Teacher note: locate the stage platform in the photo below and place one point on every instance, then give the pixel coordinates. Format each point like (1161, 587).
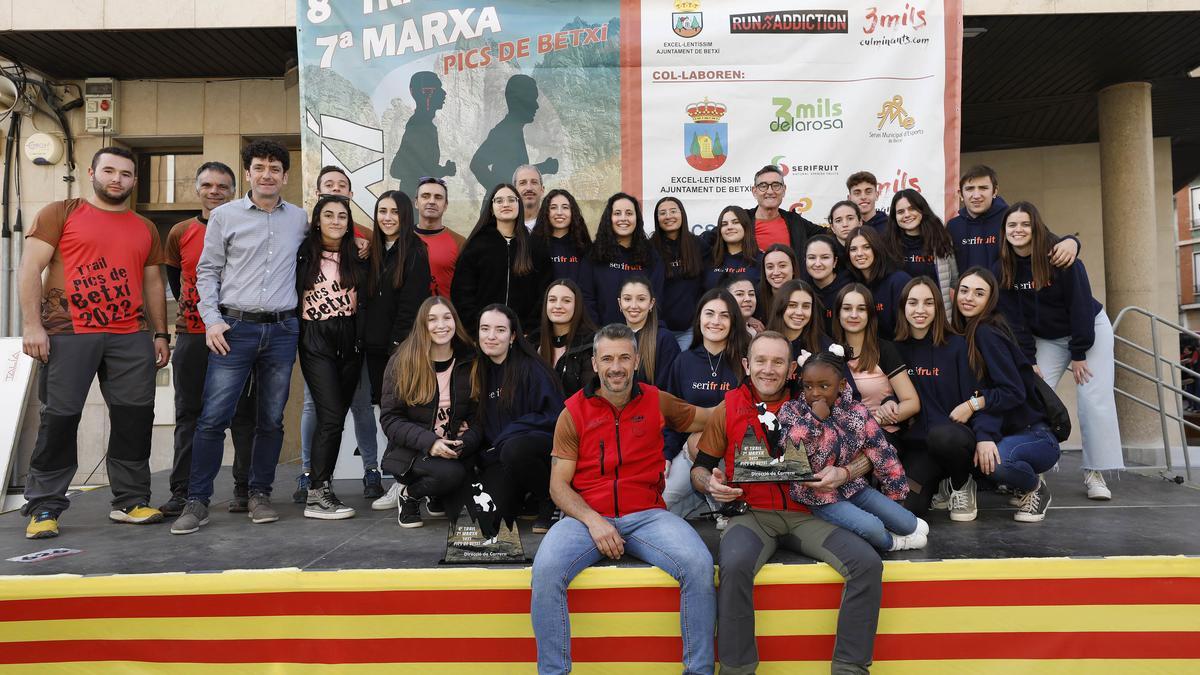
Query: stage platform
(1098, 587)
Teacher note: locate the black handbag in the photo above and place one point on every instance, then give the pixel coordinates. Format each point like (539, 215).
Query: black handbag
(1046, 399)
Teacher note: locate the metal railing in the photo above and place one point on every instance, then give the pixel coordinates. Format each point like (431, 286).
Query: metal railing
(1165, 387)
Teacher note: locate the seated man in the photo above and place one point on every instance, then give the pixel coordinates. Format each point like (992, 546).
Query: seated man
(607, 477)
(773, 519)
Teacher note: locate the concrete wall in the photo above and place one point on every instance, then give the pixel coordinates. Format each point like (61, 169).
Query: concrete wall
(1064, 182)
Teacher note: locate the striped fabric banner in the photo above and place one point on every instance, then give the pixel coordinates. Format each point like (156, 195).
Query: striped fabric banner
(1117, 615)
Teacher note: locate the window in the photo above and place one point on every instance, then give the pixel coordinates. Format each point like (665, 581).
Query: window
(1195, 209)
(1196, 273)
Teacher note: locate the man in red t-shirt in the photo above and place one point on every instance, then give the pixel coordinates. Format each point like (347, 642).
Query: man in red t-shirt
(91, 316)
(189, 361)
(774, 224)
(770, 518)
(443, 244)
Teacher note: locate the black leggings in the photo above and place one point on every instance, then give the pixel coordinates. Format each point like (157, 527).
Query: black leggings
(527, 461)
(434, 477)
(946, 451)
(331, 367)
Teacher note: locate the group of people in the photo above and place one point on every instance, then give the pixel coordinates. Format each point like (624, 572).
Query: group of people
(611, 379)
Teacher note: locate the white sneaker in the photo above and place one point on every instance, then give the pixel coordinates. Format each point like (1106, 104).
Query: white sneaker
(941, 500)
(1096, 487)
(389, 500)
(908, 542)
(922, 527)
(963, 507)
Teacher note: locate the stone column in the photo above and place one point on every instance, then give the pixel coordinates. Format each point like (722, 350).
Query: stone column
(1130, 246)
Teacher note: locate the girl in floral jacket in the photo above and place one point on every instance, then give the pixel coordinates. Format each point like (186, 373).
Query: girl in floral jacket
(834, 428)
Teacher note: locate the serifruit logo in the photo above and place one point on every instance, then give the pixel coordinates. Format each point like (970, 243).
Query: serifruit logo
(893, 112)
(819, 115)
(687, 20)
(705, 138)
(911, 17)
(777, 160)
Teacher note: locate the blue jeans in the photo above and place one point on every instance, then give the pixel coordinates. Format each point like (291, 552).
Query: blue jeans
(1025, 455)
(870, 515)
(269, 350)
(655, 536)
(361, 411)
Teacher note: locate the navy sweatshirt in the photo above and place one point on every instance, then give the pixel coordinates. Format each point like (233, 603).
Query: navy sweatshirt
(1005, 390)
(567, 260)
(602, 284)
(943, 379)
(828, 296)
(879, 221)
(691, 379)
(677, 305)
(666, 350)
(916, 262)
(1065, 308)
(977, 240)
(534, 410)
(717, 273)
(886, 292)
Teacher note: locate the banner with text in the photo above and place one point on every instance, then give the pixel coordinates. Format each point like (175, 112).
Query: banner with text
(685, 98)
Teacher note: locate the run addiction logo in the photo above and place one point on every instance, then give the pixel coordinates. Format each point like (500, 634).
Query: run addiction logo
(791, 22)
(687, 20)
(706, 137)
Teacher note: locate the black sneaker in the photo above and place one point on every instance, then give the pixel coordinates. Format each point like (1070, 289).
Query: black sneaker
(372, 484)
(410, 511)
(303, 483)
(435, 507)
(173, 506)
(545, 517)
(241, 499)
(1034, 504)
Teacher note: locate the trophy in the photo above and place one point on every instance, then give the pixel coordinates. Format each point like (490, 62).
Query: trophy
(479, 535)
(757, 461)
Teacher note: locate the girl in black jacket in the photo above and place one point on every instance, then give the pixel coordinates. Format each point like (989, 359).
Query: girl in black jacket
(500, 262)
(399, 282)
(560, 226)
(564, 340)
(683, 263)
(428, 413)
(328, 279)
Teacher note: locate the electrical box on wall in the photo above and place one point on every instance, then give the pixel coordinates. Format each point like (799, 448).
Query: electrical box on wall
(100, 105)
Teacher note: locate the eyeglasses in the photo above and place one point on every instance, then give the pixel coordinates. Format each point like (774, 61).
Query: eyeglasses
(504, 200)
(430, 179)
(763, 187)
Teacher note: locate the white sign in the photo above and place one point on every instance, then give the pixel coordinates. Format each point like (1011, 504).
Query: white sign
(16, 376)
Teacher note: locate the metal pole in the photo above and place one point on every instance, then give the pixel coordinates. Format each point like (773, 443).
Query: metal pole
(1162, 419)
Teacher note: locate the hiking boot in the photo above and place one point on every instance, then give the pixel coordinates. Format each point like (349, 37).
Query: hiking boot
(303, 483)
(241, 500)
(388, 501)
(372, 484)
(194, 516)
(435, 507)
(42, 525)
(1034, 504)
(173, 506)
(1097, 488)
(545, 517)
(410, 510)
(941, 499)
(260, 509)
(323, 504)
(963, 507)
(138, 514)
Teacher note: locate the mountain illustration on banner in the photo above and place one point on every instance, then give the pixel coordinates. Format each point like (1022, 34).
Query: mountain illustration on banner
(478, 534)
(706, 137)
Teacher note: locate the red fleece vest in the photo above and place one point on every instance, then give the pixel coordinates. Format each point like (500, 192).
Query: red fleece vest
(740, 413)
(620, 465)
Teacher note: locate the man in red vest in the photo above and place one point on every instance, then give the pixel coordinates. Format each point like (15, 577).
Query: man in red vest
(607, 476)
(771, 518)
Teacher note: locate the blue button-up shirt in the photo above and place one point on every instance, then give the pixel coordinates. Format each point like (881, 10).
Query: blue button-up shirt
(249, 258)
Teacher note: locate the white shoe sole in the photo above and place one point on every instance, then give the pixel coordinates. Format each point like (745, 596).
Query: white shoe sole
(384, 504)
(964, 517)
(1100, 496)
(260, 521)
(409, 526)
(122, 517)
(324, 515)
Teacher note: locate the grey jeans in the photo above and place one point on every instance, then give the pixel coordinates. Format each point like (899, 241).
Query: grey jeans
(125, 366)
